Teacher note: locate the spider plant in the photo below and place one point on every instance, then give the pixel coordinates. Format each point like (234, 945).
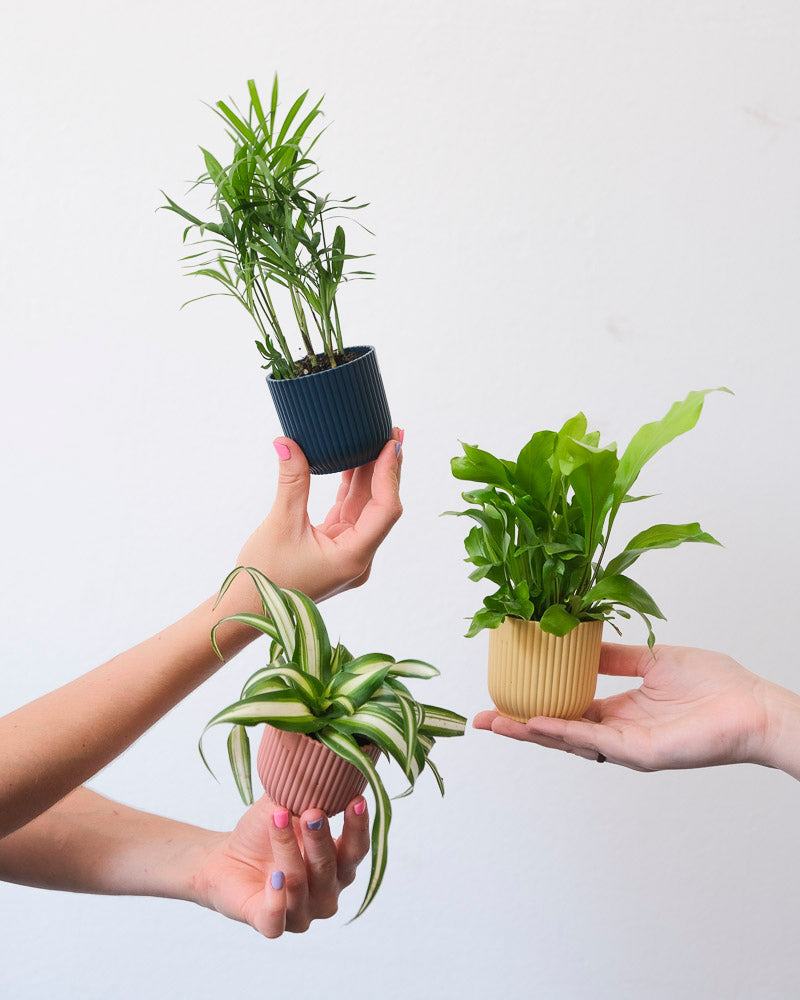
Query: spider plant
(312, 687)
(544, 523)
(270, 232)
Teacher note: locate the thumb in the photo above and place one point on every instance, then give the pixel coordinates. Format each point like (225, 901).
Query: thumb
(294, 481)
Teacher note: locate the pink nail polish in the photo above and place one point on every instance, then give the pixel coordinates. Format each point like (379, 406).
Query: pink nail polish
(402, 435)
(359, 808)
(283, 452)
(281, 819)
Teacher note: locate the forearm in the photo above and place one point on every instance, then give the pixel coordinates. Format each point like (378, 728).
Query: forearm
(781, 741)
(57, 742)
(87, 843)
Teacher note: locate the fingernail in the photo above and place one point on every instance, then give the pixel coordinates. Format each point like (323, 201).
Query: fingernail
(281, 820)
(315, 824)
(402, 435)
(277, 880)
(398, 448)
(359, 808)
(283, 452)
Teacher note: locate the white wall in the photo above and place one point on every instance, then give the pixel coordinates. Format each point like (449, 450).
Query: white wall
(577, 205)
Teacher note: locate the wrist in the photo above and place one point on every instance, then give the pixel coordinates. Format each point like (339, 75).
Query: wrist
(779, 744)
(195, 881)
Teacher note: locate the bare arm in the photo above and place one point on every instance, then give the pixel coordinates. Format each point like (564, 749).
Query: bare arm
(266, 872)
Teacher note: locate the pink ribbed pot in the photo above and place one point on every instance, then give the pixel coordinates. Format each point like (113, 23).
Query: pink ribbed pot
(300, 773)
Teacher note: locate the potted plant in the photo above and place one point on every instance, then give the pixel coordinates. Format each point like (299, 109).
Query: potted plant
(543, 526)
(328, 717)
(274, 244)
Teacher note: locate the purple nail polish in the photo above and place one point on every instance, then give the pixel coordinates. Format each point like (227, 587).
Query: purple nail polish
(315, 824)
(398, 448)
(277, 880)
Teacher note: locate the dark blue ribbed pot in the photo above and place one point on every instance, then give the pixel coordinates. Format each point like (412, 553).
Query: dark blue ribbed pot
(339, 417)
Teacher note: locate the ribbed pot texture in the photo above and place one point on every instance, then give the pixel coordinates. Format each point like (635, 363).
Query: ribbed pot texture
(300, 773)
(532, 672)
(339, 417)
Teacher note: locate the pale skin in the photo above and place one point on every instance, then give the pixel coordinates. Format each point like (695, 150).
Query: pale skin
(87, 843)
(51, 746)
(693, 708)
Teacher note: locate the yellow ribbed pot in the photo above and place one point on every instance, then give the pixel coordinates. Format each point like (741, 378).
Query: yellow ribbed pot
(532, 672)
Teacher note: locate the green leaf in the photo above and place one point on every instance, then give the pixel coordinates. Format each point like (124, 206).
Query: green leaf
(263, 625)
(484, 618)
(347, 748)
(659, 536)
(357, 686)
(480, 467)
(622, 590)
(306, 685)
(441, 722)
(239, 756)
(276, 605)
(648, 440)
(312, 646)
(592, 480)
(557, 620)
(413, 668)
(383, 726)
(534, 465)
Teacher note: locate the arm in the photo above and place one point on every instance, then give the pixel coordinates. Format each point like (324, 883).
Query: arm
(57, 742)
(694, 708)
(257, 873)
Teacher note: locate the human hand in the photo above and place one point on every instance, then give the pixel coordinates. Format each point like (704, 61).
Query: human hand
(694, 708)
(325, 559)
(260, 874)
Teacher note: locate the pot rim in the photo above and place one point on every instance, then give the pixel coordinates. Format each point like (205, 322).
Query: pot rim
(365, 350)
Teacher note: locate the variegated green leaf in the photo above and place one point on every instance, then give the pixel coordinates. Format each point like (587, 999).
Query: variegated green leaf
(309, 688)
(262, 682)
(275, 605)
(436, 775)
(227, 582)
(340, 657)
(364, 664)
(254, 621)
(347, 748)
(313, 647)
(239, 756)
(284, 709)
(384, 727)
(413, 668)
(441, 722)
(357, 687)
(411, 727)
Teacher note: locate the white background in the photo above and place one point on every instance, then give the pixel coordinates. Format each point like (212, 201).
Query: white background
(577, 205)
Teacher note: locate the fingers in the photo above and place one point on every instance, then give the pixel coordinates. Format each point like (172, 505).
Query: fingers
(321, 864)
(578, 736)
(484, 720)
(625, 661)
(289, 860)
(294, 480)
(353, 845)
(271, 917)
(383, 509)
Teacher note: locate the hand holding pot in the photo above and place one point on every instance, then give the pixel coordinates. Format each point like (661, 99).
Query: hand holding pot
(277, 875)
(694, 708)
(325, 559)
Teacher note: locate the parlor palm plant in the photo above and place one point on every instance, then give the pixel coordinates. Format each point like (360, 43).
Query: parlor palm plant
(269, 229)
(275, 242)
(346, 704)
